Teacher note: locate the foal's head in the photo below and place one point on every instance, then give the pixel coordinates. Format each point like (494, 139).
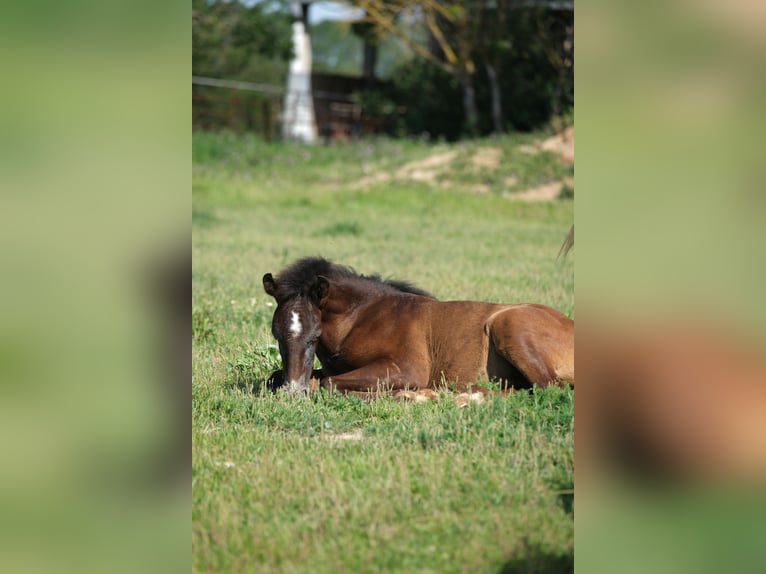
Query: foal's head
(296, 326)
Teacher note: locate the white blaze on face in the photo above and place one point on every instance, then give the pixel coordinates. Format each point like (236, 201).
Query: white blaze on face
(295, 325)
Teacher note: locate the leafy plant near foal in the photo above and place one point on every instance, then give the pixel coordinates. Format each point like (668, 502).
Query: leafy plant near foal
(334, 484)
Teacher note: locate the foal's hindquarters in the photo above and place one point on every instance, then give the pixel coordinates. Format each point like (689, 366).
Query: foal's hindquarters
(532, 340)
(520, 345)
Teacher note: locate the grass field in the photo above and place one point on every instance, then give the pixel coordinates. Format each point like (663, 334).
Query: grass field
(334, 484)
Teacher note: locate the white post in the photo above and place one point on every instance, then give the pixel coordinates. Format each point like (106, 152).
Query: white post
(298, 121)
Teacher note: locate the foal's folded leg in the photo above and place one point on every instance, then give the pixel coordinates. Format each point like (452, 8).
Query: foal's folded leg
(384, 375)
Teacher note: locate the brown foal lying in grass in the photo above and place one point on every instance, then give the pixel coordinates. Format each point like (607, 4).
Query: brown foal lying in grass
(370, 334)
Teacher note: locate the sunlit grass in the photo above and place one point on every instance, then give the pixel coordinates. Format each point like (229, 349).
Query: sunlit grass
(334, 484)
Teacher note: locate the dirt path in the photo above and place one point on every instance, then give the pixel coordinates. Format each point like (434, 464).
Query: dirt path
(437, 168)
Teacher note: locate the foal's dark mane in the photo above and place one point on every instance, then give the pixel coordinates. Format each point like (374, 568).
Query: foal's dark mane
(298, 278)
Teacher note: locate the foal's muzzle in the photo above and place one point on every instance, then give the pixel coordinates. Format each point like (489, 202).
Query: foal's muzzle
(296, 387)
(297, 369)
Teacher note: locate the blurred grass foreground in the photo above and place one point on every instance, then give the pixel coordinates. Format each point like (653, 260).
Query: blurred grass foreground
(95, 178)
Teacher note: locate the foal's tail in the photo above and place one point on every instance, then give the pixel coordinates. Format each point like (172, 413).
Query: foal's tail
(568, 243)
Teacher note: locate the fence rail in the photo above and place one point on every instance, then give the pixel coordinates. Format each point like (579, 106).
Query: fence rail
(217, 107)
(238, 85)
(254, 107)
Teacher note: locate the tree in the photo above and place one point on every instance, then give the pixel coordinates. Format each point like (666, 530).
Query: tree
(463, 35)
(491, 44)
(452, 27)
(555, 32)
(335, 48)
(233, 41)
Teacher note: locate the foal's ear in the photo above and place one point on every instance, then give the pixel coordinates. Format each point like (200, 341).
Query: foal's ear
(320, 289)
(269, 284)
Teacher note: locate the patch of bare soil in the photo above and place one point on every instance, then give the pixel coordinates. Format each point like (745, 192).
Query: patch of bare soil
(561, 144)
(429, 169)
(426, 169)
(486, 158)
(373, 179)
(545, 192)
(480, 188)
(354, 435)
(462, 400)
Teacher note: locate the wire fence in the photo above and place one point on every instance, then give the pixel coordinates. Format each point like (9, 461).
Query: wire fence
(259, 108)
(236, 106)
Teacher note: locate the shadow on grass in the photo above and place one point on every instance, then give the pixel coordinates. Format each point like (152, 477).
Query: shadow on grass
(203, 217)
(566, 500)
(249, 385)
(245, 370)
(537, 561)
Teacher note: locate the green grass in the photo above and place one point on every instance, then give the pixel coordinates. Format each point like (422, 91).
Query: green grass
(416, 487)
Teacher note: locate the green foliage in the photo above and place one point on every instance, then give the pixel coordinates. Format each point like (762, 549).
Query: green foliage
(431, 98)
(235, 41)
(375, 102)
(202, 325)
(250, 366)
(531, 87)
(567, 192)
(335, 48)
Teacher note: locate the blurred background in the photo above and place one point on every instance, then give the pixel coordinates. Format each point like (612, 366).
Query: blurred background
(370, 67)
(671, 434)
